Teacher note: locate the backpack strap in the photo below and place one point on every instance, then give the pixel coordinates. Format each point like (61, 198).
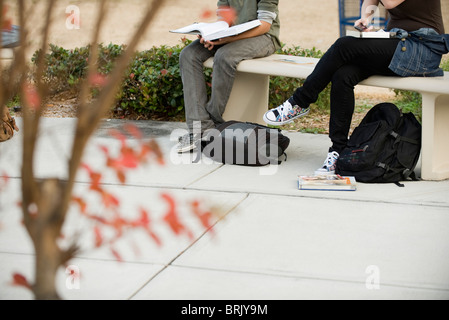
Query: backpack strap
(398, 138)
(407, 173)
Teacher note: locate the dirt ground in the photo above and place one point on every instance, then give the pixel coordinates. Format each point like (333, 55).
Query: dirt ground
(302, 24)
(305, 23)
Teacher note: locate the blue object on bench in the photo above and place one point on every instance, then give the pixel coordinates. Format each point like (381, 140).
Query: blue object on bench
(349, 12)
(11, 38)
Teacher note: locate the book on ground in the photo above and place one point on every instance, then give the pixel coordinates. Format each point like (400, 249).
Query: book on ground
(371, 34)
(216, 30)
(327, 182)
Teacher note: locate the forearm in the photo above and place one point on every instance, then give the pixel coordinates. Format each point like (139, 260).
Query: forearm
(255, 32)
(367, 8)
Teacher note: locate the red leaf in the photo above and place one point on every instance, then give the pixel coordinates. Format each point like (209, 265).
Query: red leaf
(81, 203)
(105, 150)
(95, 179)
(110, 200)
(164, 72)
(7, 24)
(86, 167)
(121, 176)
(98, 237)
(204, 216)
(144, 219)
(128, 159)
(118, 135)
(32, 97)
(98, 80)
(227, 14)
(98, 219)
(144, 222)
(133, 130)
(153, 146)
(206, 14)
(5, 179)
(116, 255)
(20, 280)
(171, 217)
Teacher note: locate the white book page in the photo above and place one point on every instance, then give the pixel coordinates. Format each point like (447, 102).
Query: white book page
(234, 30)
(202, 28)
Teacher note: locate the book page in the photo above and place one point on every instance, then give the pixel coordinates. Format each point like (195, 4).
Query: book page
(202, 28)
(370, 34)
(234, 30)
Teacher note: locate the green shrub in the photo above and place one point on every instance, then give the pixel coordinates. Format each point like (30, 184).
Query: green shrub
(65, 68)
(153, 85)
(409, 101)
(445, 63)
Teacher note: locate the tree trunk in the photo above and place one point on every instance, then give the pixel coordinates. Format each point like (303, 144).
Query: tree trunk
(43, 219)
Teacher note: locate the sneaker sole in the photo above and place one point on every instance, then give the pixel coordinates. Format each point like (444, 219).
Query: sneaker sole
(274, 123)
(324, 173)
(189, 148)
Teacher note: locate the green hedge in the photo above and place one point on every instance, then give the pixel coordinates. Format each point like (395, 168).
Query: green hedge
(152, 85)
(65, 68)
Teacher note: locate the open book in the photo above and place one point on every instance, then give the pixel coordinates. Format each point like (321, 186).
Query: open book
(216, 30)
(371, 34)
(327, 182)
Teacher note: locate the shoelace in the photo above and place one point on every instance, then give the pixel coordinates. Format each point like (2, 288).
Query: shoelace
(330, 160)
(284, 109)
(185, 139)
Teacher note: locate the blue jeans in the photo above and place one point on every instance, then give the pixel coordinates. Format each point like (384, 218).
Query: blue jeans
(226, 58)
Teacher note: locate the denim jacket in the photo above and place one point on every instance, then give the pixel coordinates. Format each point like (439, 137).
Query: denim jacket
(419, 53)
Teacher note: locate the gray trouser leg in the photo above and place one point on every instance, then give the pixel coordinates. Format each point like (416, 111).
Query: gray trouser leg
(226, 59)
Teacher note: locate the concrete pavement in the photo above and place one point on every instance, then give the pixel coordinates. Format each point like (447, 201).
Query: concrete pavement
(274, 242)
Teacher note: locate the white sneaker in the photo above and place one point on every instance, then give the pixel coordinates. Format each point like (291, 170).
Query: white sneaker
(329, 164)
(283, 114)
(188, 142)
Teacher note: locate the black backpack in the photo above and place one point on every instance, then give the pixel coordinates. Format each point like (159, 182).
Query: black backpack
(245, 143)
(385, 147)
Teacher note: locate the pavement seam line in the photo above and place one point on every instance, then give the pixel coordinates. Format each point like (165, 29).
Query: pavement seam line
(186, 188)
(170, 263)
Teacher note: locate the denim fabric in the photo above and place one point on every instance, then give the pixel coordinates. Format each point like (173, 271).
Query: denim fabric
(419, 53)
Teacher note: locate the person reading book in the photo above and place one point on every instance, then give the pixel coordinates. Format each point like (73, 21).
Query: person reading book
(416, 50)
(217, 30)
(203, 113)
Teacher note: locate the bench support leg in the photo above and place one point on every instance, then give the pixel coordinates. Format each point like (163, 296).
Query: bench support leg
(249, 98)
(435, 137)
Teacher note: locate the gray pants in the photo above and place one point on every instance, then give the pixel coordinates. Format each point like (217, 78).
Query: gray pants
(226, 58)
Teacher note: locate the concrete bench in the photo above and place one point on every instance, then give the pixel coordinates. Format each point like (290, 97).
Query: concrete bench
(6, 54)
(249, 101)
